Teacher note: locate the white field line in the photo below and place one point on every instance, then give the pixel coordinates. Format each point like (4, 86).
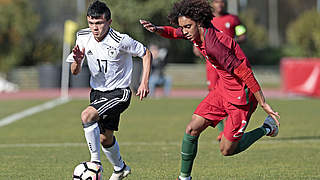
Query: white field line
(48, 145)
(17, 116)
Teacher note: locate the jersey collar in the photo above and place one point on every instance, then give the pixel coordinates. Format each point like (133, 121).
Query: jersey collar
(205, 31)
(104, 40)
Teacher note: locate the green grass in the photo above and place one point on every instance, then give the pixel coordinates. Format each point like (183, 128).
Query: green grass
(149, 137)
(12, 106)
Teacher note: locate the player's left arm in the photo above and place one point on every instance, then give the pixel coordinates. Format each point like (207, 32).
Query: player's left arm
(244, 72)
(226, 57)
(266, 107)
(143, 89)
(78, 56)
(135, 48)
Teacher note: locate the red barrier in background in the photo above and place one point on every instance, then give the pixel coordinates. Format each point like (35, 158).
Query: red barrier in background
(301, 75)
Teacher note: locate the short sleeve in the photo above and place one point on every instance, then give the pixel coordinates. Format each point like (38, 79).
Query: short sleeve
(133, 47)
(70, 56)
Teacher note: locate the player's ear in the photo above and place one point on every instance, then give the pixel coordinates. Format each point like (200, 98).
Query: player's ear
(109, 21)
(199, 26)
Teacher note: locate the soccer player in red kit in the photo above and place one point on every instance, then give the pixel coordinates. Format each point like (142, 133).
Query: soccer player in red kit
(237, 93)
(227, 23)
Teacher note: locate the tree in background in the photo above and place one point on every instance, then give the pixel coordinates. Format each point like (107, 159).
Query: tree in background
(18, 22)
(126, 15)
(256, 47)
(31, 31)
(304, 35)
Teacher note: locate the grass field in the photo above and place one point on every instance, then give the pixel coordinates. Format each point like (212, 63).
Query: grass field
(48, 145)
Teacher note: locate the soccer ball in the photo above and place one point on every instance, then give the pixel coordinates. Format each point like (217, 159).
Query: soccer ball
(87, 171)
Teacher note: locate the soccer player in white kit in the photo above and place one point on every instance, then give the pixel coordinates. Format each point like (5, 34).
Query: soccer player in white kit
(109, 56)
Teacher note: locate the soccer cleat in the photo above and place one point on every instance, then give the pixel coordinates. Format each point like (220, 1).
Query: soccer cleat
(272, 125)
(118, 175)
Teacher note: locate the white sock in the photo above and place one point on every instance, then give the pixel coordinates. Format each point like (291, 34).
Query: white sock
(184, 178)
(113, 155)
(92, 134)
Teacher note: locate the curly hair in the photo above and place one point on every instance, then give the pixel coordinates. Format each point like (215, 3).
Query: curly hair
(199, 11)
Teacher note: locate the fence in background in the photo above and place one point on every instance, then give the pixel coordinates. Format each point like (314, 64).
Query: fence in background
(183, 76)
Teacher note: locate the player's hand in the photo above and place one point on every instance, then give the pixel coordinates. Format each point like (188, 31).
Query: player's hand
(142, 91)
(148, 26)
(275, 115)
(77, 54)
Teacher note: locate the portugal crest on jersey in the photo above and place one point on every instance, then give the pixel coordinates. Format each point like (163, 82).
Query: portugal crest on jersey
(227, 25)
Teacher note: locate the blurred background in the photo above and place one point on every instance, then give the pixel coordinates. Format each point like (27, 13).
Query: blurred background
(280, 34)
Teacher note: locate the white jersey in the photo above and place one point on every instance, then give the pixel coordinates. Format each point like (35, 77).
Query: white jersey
(109, 61)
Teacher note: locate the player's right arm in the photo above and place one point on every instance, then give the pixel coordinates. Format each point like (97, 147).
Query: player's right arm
(78, 56)
(244, 72)
(226, 57)
(164, 31)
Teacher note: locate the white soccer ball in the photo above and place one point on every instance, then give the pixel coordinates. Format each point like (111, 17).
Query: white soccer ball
(87, 171)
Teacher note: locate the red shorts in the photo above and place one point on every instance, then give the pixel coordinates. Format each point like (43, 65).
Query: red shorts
(215, 108)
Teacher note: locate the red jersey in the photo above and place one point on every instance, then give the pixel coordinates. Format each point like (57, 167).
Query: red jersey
(226, 55)
(226, 23)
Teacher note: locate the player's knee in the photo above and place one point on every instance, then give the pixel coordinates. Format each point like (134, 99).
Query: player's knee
(84, 117)
(87, 116)
(191, 130)
(226, 151)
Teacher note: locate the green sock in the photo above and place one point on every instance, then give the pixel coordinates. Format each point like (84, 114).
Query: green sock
(220, 126)
(249, 138)
(188, 153)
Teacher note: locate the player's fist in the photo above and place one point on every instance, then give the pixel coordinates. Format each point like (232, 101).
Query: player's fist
(148, 25)
(77, 54)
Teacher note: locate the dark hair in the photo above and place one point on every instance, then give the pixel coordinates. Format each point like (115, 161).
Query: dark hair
(199, 11)
(97, 9)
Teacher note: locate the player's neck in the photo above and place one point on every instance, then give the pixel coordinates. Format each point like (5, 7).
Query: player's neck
(200, 40)
(218, 14)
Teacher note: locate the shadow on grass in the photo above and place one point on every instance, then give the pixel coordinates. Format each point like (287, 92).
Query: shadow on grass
(295, 138)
